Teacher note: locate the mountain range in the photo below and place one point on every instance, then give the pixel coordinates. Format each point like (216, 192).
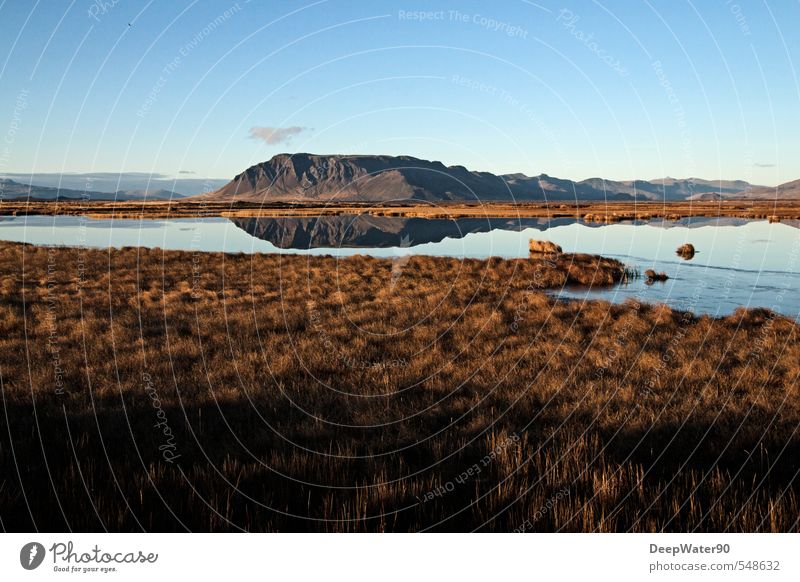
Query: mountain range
(310, 178)
(367, 178)
(12, 190)
(786, 191)
(185, 183)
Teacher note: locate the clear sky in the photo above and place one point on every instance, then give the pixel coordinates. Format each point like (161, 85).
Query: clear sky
(617, 89)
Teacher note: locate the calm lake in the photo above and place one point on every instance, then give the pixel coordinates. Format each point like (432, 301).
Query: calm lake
(738, 262)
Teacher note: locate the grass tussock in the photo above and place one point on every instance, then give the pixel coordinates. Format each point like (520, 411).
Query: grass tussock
(166, 391)
(686, 251)
(652, 276)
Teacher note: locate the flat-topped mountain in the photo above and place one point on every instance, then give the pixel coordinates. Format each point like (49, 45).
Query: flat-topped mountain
(308, 177)
(320, 178)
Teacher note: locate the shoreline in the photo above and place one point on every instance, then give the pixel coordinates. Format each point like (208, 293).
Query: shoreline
(592, 211)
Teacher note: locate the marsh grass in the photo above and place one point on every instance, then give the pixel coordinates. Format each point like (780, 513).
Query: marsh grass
(212, 392)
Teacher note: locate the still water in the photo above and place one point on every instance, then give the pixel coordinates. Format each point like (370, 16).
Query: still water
(738, 262)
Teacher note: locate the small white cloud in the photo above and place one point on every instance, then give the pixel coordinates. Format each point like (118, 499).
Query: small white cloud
(757, 165)
(275, 135)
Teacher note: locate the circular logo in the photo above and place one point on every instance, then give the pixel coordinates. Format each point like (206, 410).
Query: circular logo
(31, 555)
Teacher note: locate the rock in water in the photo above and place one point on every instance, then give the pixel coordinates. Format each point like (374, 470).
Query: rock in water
(542, 247)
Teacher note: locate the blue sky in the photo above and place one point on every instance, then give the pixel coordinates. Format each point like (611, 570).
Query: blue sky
(573, 89)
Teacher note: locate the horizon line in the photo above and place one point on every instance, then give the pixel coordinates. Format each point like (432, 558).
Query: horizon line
(193, 176)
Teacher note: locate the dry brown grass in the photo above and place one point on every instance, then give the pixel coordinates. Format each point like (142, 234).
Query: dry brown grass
(589, 211)
(652, 276)
(686, 251)
(540, 247)
(323, 395)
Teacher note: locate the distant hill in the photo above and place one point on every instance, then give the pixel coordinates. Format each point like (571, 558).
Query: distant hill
(11, 190)
(319, 178)
(786, 191)
(186, 184)
(152, 194)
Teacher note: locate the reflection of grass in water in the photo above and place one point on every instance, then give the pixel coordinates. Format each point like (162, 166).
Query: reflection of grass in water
(630, 274)
(265, 367)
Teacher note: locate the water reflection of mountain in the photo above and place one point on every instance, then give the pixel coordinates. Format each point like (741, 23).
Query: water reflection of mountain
(365, 230)
(701, 221)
